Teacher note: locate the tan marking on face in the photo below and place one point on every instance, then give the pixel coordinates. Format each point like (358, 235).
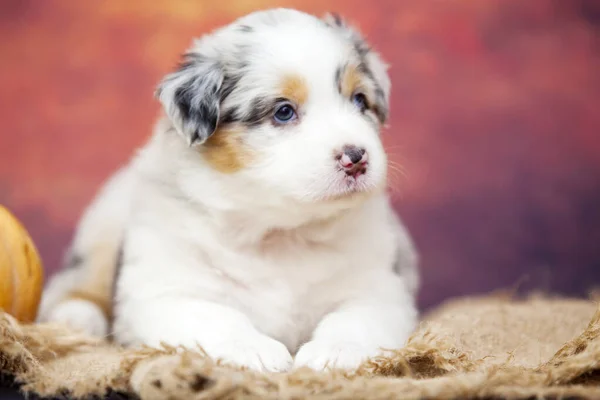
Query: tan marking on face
(225, 150)
(294, 88)
(351, 80)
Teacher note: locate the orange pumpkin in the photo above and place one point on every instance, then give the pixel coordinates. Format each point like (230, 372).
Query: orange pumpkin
(21, 272)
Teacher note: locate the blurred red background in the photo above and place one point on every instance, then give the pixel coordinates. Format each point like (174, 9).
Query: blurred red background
(495, 120)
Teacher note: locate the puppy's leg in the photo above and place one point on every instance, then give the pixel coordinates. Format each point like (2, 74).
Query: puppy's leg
(80, 295)
(81, 314)
(167, 292)
(223, 332)
(360, 329)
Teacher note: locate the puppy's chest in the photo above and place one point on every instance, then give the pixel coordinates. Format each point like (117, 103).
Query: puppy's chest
(287, 295)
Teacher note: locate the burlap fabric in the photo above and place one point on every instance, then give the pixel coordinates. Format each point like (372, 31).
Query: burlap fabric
(493, 347)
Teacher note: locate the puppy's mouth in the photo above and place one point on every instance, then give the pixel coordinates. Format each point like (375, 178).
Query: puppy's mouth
(357, 183)
(351, 184)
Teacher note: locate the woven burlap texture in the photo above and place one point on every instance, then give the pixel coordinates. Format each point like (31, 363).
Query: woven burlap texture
(487, 347)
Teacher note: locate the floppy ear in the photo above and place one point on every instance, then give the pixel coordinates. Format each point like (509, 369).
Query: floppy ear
(373, 62)
(191, 97)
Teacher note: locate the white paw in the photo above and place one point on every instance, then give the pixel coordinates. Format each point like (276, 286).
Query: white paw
(257, 352)
(321, 355)
(80, 315)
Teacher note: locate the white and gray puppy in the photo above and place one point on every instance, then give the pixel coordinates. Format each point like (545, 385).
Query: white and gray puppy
(255, 221)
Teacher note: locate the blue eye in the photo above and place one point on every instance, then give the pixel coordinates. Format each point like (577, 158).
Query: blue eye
(360, 101)
(284, 114)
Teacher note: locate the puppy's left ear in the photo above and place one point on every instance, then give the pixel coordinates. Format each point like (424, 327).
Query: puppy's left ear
(372, 60)
(191, 97)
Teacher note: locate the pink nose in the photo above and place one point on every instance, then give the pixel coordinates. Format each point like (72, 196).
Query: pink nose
(354, 160)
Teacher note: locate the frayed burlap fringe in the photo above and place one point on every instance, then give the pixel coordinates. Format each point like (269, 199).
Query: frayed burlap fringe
(493, 347)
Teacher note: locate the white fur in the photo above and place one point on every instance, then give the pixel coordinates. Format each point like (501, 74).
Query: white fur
(286, 255)
(80, 315)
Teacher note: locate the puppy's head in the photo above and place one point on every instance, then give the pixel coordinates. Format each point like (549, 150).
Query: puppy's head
(285, 102)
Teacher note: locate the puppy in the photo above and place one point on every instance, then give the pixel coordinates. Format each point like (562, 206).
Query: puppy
(255, 221)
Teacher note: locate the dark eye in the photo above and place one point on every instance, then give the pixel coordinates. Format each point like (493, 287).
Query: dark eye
(284, 114)
(360, 101)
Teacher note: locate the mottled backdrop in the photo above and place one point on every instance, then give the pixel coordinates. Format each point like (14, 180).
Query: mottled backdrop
(496, 122)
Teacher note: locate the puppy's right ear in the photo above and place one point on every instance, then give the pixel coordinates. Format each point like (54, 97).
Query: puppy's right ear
(191, 97)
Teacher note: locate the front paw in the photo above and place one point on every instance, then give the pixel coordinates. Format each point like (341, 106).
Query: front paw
(321, 355)
(257, 352)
